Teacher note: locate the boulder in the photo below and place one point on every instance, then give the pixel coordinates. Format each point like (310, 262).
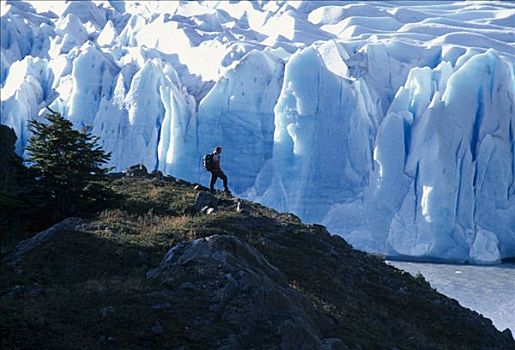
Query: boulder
(138, 170)
(204, 199)
(158, 175)
(27, 245)
(239, 291)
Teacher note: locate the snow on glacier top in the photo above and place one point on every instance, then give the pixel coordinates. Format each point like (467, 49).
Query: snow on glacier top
(210, 35)
(390, 122)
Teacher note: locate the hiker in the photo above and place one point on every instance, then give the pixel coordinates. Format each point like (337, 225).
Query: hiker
(216, 170)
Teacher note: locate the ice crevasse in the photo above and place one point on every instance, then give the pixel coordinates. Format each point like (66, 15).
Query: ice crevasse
(443, 180)
(360, 117)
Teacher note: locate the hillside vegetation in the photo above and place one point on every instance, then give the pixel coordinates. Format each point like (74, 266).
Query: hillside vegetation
(241, 277)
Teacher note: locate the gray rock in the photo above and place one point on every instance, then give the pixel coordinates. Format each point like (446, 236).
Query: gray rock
(320, 227)
(204, 199)
(170, 178)
(162, 306)
(16, 292)
(207, 210)
(157, 328)
(27, 245)
(238, 288)
(294, 218)
(106, 311)
(199, 187)
(138, 170)
(242, 207)
(115, 175)
(170, 255)
(333, 344)
(157, 174)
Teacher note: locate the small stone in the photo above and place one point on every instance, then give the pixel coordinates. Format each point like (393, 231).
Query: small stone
(158, 174)
(332, 343)
(106, 311)
(36, 291)
(138, 170)
(162, 306)
(402, 291)
(157, 328)
(152, 273)
(242, 207)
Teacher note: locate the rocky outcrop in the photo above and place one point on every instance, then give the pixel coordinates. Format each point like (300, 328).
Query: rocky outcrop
(11, 165)
(138, 170)
(29, 244)
(241, 292)
(151, 273)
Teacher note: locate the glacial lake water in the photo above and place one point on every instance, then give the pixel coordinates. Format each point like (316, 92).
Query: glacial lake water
(488, 290)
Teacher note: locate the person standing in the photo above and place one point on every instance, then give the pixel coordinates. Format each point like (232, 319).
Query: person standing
(216, 171)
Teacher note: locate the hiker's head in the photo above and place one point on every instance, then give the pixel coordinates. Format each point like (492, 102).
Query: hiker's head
(218, 149)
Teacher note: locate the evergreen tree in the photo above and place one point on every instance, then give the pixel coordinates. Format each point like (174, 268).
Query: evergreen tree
(68, 164)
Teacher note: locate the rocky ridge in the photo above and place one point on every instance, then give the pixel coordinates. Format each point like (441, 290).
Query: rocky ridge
(171, 266)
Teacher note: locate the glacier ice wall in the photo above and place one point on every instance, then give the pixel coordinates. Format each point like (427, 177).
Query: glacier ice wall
(390, 123)
(322, 141)
(444, 165)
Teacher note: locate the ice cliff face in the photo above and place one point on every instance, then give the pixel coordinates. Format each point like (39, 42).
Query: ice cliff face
(390, 122)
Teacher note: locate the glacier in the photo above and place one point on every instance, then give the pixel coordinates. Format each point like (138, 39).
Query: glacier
(391, 123)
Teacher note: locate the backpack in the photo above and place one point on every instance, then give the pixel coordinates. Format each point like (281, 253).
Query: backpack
(208, 161)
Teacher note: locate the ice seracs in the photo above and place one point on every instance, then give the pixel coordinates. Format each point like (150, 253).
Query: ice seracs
(391, 123)
(27, 90)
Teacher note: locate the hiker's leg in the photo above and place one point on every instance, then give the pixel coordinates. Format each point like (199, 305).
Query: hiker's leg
(224, 179)
(214, 176)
